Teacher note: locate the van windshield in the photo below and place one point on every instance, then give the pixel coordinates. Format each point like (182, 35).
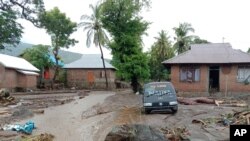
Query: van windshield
(158, 89)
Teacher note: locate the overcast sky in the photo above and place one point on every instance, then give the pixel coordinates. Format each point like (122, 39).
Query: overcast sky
(211, 19)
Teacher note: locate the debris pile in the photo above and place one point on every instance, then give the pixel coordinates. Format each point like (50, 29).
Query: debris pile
(176, 134)
(206, 100)
(41, 137)
(135, 132)
(242, 117)
(5, 98)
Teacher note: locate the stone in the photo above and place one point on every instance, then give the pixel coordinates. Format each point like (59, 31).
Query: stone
(135, 132)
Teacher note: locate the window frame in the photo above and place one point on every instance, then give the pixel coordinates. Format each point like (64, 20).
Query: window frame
(193, 69)
(245, 67)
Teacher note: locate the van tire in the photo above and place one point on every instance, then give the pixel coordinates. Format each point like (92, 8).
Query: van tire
(174, 110)
(147, 111)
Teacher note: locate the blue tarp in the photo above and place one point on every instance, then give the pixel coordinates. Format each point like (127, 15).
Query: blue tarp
(27, 128)
(53, 60)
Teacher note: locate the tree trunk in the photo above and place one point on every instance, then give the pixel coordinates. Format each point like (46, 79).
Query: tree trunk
(134, 84)
(55, 52)
(104, 66)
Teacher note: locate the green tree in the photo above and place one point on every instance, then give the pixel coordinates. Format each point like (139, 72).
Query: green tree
(248, 51)
(38, 56)
(10, 10)
(121, 18)
(183, 39)
(95, 31)
(59, 27)
(160, 51)
(198, 40)
(10, 30)
(26, 9)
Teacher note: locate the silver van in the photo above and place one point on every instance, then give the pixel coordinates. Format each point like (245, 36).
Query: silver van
(159, 96)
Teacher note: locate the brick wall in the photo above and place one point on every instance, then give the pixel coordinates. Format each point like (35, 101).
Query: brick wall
(229, 83)
(26, 81)
(228, 80)
(78, 78)
(200, 86)
(8, 78)
(2, 71)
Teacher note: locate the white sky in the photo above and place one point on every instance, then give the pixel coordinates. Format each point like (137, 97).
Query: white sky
(211, 19)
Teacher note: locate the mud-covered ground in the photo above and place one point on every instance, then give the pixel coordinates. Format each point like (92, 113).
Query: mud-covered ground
(91, 118)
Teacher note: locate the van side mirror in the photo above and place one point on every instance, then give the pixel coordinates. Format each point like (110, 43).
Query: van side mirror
(176, 90)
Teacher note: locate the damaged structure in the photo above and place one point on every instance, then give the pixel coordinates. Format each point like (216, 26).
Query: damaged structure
(88, 72)
(214, 67)
(17, 73)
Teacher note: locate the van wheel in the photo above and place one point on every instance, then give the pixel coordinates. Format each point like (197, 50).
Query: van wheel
(174, 110)
(147, 111)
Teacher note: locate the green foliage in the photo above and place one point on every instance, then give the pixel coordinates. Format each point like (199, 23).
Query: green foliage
(10, 30)
(183, 39)
(10, 11)
(38, 56)
(59, 27)
(121, 18)
(26, 9)
(248, 51)
(160, 51)
(94, 27)
(198, 40)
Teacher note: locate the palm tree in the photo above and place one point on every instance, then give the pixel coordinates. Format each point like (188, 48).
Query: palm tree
(164, 46)
(182, 38)
(160, 51)
(92, 23)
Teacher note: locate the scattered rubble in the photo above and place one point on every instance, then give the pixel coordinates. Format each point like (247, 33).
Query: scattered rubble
(176, 134)
(135, 132)
(41, 137)
(206, 100)
(242, 117)
(5, 98)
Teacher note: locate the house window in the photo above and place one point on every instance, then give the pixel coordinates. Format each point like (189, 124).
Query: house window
(189, 74)
(243, 74)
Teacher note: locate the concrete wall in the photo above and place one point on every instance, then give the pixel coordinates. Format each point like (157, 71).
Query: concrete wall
(78, 78)
(228, 80)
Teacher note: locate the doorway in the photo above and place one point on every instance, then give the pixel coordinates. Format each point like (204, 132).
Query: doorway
(214, 79)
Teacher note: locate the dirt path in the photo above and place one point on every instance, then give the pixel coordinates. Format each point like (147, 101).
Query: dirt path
(65, 122)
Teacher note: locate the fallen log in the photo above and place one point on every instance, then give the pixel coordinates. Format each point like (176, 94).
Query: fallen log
(186, 101)
(195, 101)
(205, 100)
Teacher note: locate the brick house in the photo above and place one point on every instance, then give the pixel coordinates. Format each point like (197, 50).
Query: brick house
(17, 73)
(215, 67)
(88, 72)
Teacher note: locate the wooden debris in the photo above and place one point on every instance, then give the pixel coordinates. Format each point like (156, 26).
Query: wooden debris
(176, 134)
(41, 137)
(38, 111)
(205, 100)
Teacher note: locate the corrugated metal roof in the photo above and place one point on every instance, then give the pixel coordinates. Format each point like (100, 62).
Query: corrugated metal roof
(214, 53)
(28, 72)
(16, 63)
(89, 61)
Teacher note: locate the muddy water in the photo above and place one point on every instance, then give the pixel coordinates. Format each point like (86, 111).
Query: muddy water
(65, 122)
